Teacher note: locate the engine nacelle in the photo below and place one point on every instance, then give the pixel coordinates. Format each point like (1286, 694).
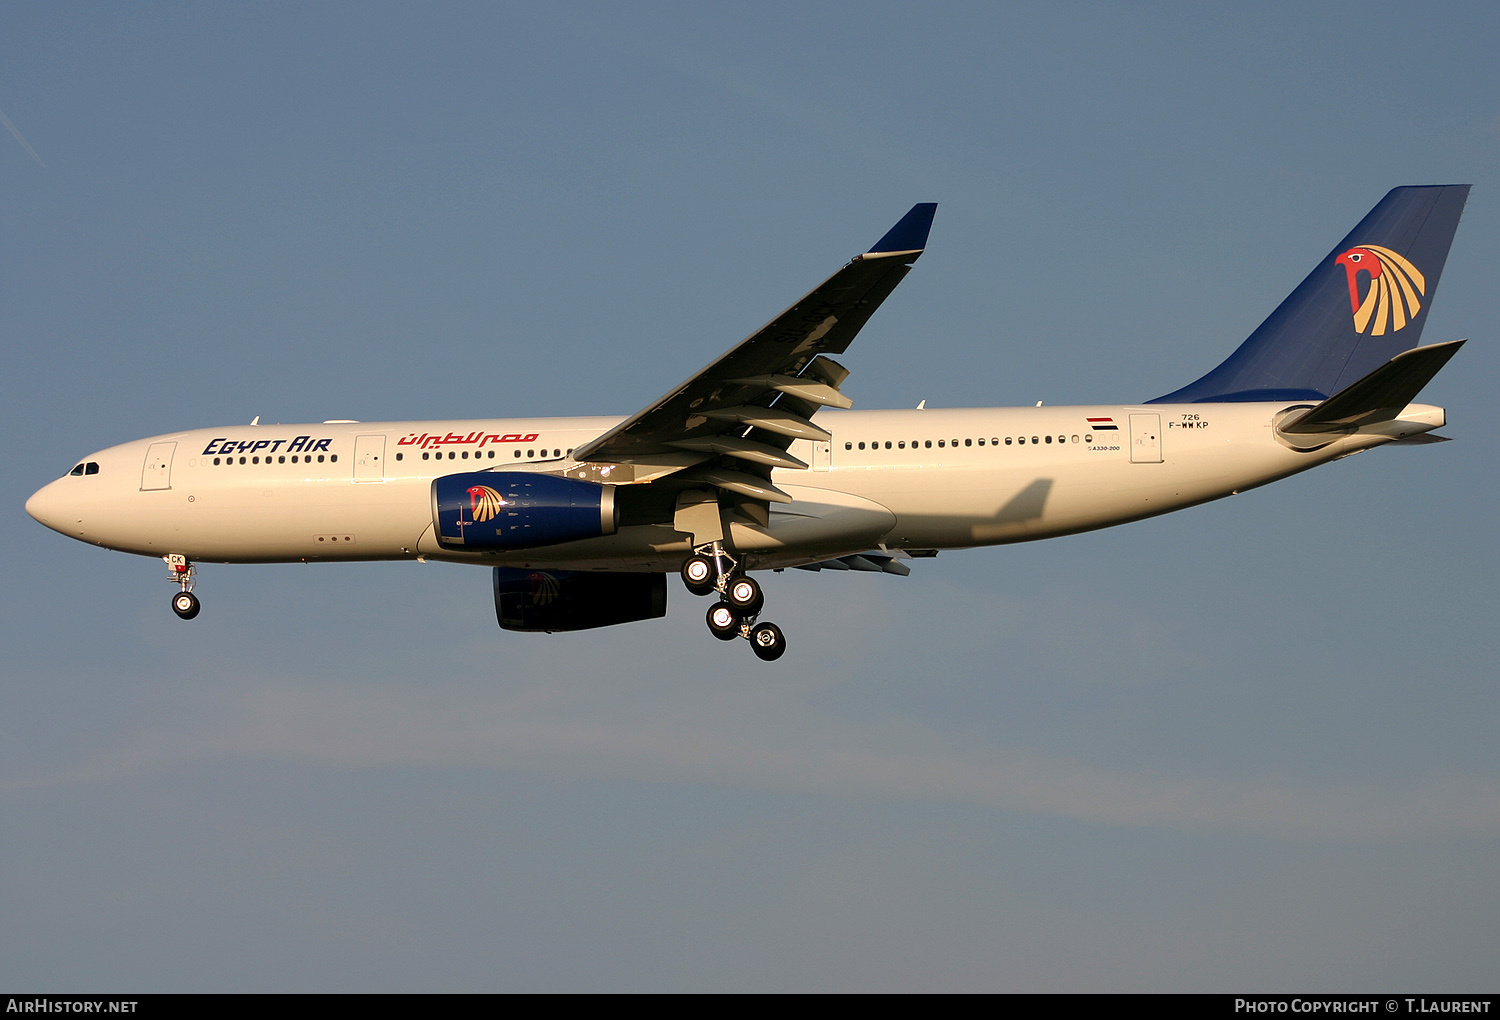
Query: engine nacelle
(553, 600)
(517, 510)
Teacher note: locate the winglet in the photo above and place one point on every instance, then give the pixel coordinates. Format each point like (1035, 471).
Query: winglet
(908, 235)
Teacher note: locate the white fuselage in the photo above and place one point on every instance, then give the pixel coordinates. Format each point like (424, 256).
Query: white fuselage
(902, 480)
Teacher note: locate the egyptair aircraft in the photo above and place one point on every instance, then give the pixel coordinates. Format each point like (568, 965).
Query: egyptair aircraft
(755, 463)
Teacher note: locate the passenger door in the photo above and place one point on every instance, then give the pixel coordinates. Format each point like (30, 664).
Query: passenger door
(1145, 439)
(156, 473)
(369, 458)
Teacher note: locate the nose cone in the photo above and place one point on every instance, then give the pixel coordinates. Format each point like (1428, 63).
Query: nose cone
(41, 505)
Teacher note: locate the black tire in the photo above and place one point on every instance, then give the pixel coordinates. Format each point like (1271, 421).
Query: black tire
(745, 595)
(186, 605)
(723, 621)
(698, 574)
(768, 641)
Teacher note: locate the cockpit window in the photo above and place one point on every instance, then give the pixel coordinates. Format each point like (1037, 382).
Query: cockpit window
(91, 468)
(77, 470)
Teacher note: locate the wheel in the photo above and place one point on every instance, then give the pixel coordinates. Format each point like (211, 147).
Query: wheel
(698, 575)
(768, 641)
(745, 595)
(185, 604)
(723, 621)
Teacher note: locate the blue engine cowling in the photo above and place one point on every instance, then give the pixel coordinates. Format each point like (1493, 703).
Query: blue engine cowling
(558, 600)
(516, 510)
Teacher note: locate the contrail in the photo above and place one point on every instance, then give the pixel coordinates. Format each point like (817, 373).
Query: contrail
(20, 138)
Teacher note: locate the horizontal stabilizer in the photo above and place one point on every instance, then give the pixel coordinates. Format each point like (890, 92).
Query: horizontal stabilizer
(1379, 396)
(1422, 439)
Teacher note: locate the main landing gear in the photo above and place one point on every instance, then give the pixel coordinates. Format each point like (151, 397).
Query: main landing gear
(712, 569)
(185, 604)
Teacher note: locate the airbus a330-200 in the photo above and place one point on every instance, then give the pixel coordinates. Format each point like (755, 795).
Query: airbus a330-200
(756, 463)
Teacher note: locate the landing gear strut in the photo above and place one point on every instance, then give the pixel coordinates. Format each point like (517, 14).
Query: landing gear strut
(711, 568)
(185, 604)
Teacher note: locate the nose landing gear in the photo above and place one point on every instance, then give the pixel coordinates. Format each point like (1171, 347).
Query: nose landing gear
(185, 604)
(712, 569)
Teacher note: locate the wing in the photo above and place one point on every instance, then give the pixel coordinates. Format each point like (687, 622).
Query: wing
(741, 413)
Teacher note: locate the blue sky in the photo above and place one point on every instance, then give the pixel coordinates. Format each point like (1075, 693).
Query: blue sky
(1249, 745)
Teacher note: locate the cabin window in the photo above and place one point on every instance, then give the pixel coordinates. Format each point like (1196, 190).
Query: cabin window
(518, 453)
(968, 442)
(1007, 440)
(929, 444)
(901, 445)
(466, 455)
(940, 443)
(1075, 439)
(1049, 439)
(294, 459)
(1034, 440)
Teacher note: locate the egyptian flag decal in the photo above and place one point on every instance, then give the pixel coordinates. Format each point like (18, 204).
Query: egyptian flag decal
(1102, 424)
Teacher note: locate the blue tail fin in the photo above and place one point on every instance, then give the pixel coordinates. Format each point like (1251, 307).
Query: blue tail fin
(1364, 304)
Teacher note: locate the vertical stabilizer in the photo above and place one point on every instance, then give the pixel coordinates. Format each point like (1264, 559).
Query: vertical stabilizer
(1363, 304)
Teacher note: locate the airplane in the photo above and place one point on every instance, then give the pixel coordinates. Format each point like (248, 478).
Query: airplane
(582, 519)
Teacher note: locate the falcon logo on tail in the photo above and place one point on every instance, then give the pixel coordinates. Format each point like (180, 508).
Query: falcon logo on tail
(1395, 289)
